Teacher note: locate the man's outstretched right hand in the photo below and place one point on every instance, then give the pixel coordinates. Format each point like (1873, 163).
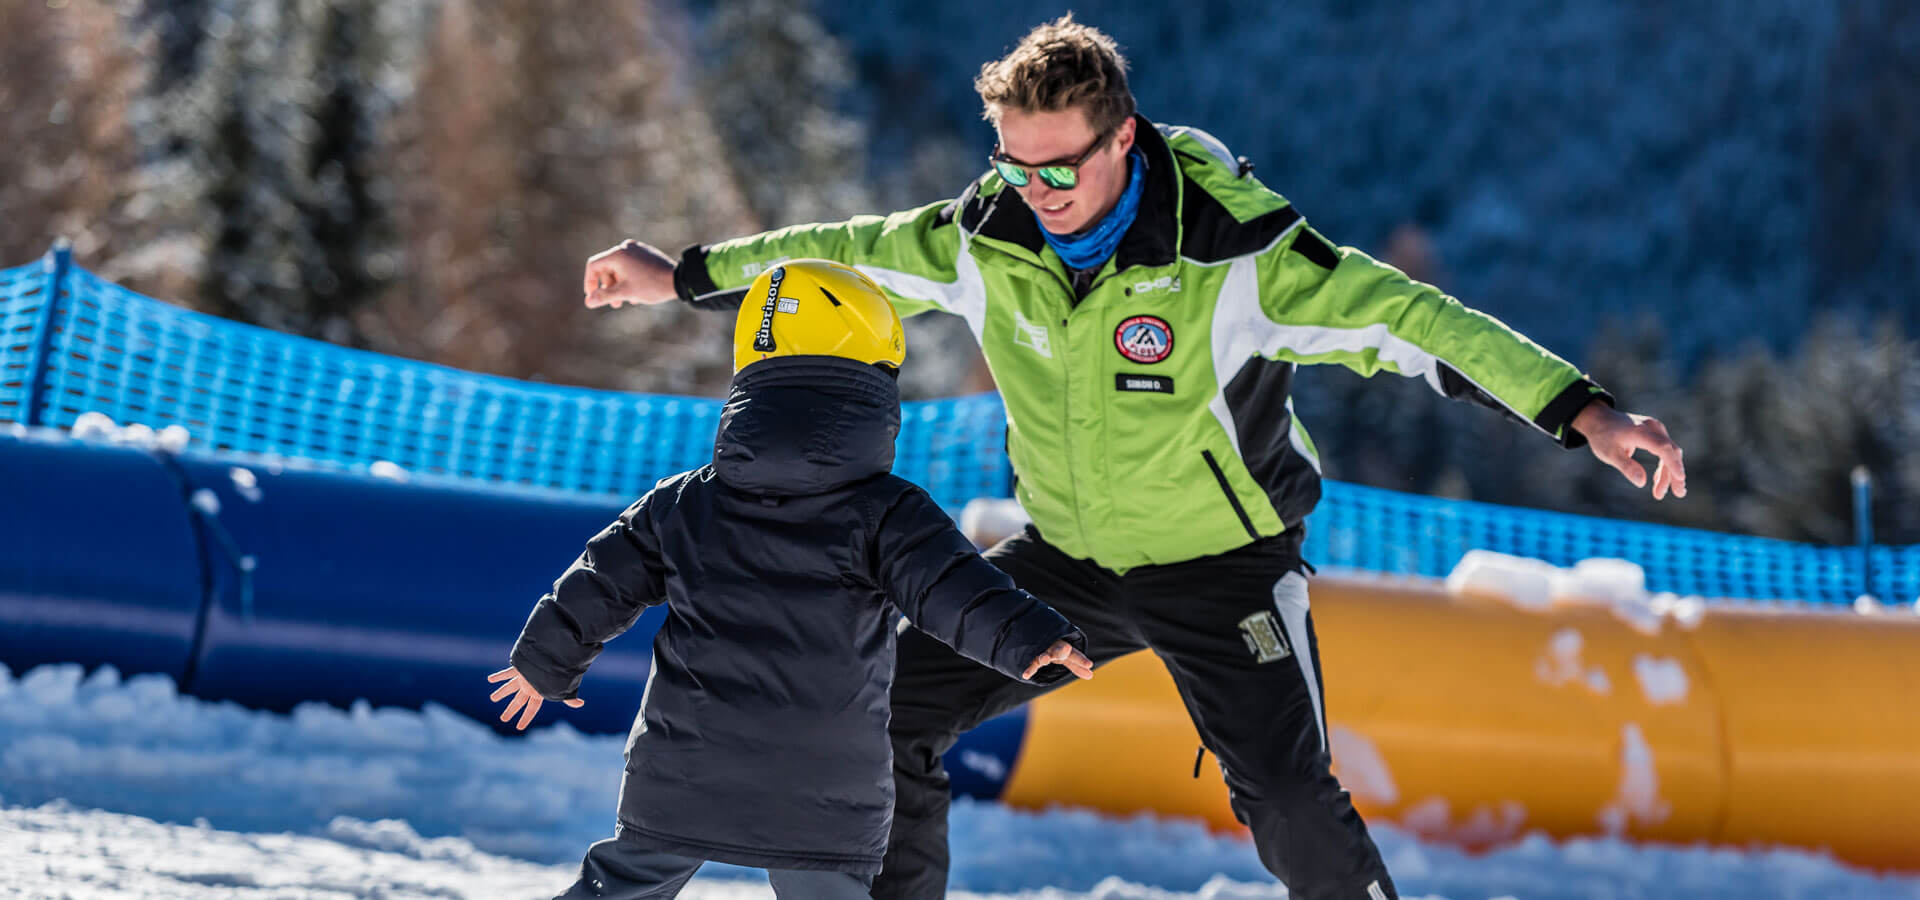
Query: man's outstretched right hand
(630, 272)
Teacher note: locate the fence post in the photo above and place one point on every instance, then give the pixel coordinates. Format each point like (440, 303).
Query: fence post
(1863, 525)
(56, 264)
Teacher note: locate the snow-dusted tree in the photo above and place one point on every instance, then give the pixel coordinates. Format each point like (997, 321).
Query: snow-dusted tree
(277, 134)
(1778, 438)
(177, 30)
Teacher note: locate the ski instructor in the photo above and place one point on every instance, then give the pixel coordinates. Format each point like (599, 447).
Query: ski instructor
(1142, 300)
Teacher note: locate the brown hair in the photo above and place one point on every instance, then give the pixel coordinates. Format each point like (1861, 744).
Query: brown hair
(1060, 65)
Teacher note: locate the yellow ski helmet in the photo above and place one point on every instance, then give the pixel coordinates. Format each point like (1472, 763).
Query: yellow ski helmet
(813, 307)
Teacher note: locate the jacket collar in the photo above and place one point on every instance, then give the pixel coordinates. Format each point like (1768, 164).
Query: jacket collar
(800, 425)
(1153, 239)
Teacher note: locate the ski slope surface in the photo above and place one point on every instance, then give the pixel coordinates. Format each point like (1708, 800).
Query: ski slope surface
(113, 788)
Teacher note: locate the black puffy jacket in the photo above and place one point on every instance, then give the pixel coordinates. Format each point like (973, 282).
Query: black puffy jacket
(762, 738)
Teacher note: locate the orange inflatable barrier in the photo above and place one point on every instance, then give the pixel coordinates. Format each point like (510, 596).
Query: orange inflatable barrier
(1471, 719)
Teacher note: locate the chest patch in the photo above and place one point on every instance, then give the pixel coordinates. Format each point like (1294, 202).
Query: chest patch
(1144, 339)
(1032, 336)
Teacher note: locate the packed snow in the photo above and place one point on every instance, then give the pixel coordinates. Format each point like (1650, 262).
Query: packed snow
(98, 426)
(1662, 680)
(1561, 663)
(387, 469)
(113, 787)
(1638, 798)
(1617, 584)
(1363, 771)
(246, 483)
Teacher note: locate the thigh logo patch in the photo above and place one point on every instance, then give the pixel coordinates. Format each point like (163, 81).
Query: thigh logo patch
(1264, 638)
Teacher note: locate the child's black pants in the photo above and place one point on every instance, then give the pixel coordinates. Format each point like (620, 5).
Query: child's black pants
(622, 870)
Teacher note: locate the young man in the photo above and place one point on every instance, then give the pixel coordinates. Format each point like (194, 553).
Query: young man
(1142, 301)
(762, 738)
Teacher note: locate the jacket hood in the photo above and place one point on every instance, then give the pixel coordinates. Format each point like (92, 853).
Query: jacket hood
(800, 425)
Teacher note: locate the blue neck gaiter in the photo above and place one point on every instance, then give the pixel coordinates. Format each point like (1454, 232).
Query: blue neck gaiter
(1091, 246)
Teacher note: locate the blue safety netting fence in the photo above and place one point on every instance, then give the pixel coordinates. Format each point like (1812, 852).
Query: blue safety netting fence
(71, 343)
(93, 346)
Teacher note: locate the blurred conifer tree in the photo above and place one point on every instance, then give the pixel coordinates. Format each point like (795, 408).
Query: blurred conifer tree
(538, 137)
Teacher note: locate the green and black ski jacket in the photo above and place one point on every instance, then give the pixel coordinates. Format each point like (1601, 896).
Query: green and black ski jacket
(1148, 418)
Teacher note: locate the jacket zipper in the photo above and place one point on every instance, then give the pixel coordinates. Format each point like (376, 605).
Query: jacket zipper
(1232, 498)
(1066, 430)
(1066, 394)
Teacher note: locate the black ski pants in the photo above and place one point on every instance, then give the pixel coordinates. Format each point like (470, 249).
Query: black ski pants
(1235, 633)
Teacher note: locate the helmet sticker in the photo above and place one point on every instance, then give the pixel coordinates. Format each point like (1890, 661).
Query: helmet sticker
(763, 339)
(1144, 339)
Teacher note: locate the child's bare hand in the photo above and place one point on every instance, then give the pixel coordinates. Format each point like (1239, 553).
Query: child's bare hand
(523, 694)
(1063, 653)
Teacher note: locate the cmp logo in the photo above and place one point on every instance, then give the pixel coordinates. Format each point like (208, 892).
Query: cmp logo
(752, 270)
(1144, 339)
(763, 339)
(1168, 283)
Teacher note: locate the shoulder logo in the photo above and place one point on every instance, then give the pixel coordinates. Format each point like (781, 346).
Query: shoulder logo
(1144, 339)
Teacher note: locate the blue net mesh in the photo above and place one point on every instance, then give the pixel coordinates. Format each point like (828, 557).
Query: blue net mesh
(240, 388)
(24, 298)
(1383, 531)
(237, 388)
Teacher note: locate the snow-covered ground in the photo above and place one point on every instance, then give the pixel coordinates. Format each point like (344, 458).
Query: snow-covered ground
(124, 789)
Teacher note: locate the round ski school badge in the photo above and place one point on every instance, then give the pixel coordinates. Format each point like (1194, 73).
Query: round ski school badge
(1144, 339)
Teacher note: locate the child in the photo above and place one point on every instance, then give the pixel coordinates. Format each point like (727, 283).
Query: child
(762, 736)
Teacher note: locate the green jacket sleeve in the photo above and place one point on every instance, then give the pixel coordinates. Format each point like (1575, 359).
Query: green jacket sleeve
(1339, 305)
(913, 255)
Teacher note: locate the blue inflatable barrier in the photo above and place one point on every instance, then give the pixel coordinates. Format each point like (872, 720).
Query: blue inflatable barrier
(340, 587)
(97, 558)
(249, 581)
